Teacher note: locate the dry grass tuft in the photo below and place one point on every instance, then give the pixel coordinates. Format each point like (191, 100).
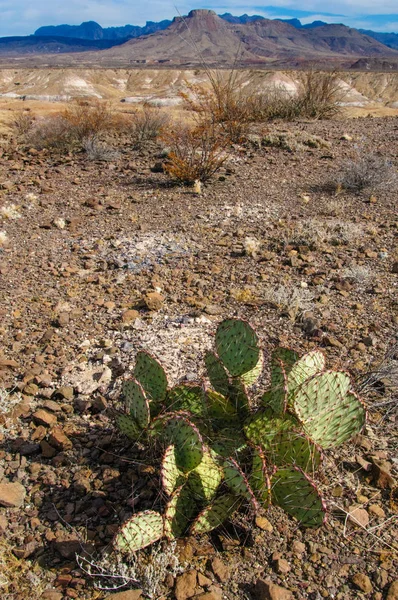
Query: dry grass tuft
(19, 578)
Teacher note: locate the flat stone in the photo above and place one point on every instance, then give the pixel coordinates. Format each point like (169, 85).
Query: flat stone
(220, 569)
(43, 417)
(267, 590)
(65, 391)
(186, 585)
(126, 595)
(264, 524)
(130, 315)
(362, 582)
(282, 566)
(59, 440)
(51, 595)
(358, 516)
(12, 494)
(298, 548)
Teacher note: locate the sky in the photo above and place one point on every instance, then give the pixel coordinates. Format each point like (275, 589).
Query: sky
(23, 17)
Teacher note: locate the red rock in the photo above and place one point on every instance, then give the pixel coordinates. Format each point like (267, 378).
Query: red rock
(362, 582)
(59, 440)
(186, 585)
(154, 300)
(44, 418)
(12, 494)
(393, 591)
(220, 569)
(126, 595)
(266, 590)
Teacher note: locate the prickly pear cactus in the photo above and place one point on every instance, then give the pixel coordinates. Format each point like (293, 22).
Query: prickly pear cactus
(218, 452)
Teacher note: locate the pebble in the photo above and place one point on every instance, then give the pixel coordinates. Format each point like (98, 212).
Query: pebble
(264, 524)
(153, 301)
(362, 582)
(126, 595)
(43, 417)
(267, 590)
(393, 591)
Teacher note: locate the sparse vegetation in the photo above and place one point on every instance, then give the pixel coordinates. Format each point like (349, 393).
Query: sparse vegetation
(194, 153)
(146, 125)
(99, 151)
(367, 171)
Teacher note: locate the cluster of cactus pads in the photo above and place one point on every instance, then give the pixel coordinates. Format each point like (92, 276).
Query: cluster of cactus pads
(220, 452)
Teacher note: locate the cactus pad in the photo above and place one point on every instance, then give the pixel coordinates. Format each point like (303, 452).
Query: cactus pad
(205, 479)
(237, 346)
(252, 376)
(262, 427)
(136, 402)
(282, 361)
(188, 397)
(151, 376)
(220, 409)
(292, 448)
(237, 481)
(128, 426)
(216, 373)
(215, 514)
(141, 530)
(292, 490)
(172, 478)
(187, 440)
(179, 512)
(329, 412)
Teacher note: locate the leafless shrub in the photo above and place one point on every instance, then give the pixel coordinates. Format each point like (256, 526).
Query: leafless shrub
(343, 231)
(294, 300)
(357, 273)
(22, 123)
(111, 572)
(294, 141)
(146, 125)
(367, 170)
(88, 119)
(52, 132)
(195, 154)
(98, 151)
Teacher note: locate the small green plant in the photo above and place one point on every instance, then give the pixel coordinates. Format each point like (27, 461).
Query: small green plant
(219, 451)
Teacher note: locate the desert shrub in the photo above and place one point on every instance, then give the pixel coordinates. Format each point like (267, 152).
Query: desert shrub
(367, 170)
(293, 141)
(96, 150)
(88, 119)
(146, 125)
(194, 153)
(22, 123)
(219, 452)
(319, 94)
(52, 132)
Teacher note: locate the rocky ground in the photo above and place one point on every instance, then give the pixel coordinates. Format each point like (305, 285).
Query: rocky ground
(100, 260)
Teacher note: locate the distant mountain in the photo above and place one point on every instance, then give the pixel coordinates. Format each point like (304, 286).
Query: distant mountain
(91, 30)
(204, 36)
(32, 44)
(389, 39)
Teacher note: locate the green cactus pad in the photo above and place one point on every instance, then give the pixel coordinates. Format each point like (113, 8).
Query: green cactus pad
(187, 440)
(292, 490)
(329, 412)
(262, 427)
(179, 512)
(189, 397)
(172, 478)
(216, 373)
(237, 481)
(136, 402)
(151, 376)
(215, 514)
(205, 479)
(252, 376)
(282, 361)
(309, 365)
(141, 530)
(220, 409)
(228, 442)
(259, 479)
(128, 426)
(237, 346)
(292, 448)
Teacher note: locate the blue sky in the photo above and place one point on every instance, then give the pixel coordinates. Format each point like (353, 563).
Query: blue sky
(22, 17)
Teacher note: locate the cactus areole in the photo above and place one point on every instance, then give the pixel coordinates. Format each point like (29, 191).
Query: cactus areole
(218, 452)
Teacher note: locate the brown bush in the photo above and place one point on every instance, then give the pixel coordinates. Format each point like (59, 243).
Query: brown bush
(146, 125)
(89, 119)
(22, 123)
(51, 132)
(195, 154)
(319, 94)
